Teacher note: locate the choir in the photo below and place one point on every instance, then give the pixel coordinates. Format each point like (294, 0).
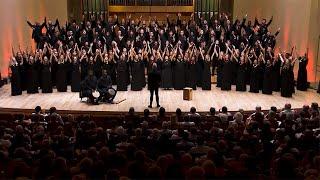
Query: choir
(187, 54)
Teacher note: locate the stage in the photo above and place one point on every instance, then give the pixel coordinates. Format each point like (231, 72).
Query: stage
(169, 99)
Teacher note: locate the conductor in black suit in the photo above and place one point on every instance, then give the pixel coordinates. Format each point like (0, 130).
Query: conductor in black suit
(154, 79)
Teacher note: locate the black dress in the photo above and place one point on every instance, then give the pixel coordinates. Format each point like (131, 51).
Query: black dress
(24, 75)
(136, 81)
(166, 75)
(76, 77)
(61, 77)
(199, 65)
(292, 79)
(32, 79)
(142, 75)
(111, 70)
(276, 76)
(286, 86)
(254, 79)
(54, 69)
(226, 76)
(46, 84)
(187, 74)
(69, 69)
(97, 67)
(219, 72)
(15, 81)
(241, 77)
(206, 76)
(179, 75)
(302, 81)
(234, 68)
(84, 69)
(267, 80)
(122, 75)
(193, 75)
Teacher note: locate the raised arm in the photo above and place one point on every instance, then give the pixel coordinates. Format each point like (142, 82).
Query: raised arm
(270, 21)
(31, 25)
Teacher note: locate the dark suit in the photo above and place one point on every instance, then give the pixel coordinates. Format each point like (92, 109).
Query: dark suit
(88, 86)
(154, 79)
(104, 83)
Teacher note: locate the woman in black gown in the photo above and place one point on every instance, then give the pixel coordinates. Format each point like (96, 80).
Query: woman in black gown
(226, 74)
(241, 74)
(54, 66)
(97, 67)
(22, 62)
(302, 81)
(199, 65)
(267, 78)
(215, 56)
(136, 81)
(179, 73)
(46, 85)
(166, 73)
(61, 76)
(15, 78)
(219, 68)
(141, 71)
(32, 76)
(76, 75)
(122, 74)
(206, 73)
(254, 76)
(193, 73)
(286, 90)
(276, 75)
(84, 65)
(111, 64)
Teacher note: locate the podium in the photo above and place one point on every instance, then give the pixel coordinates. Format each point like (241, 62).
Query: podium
(187, 94)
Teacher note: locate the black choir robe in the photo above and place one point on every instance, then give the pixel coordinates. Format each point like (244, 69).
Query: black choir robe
(226, 76)
(136, 78)
(206, 75)
(254, 79)
(15, 81)
(267, 80)
(193, 75)
(75, 77)
(179, 75)
(302, 81)
(122, 75)
(32, 79)
(61, 77)
(241, 77)
(166, 74)
(286, 82)
(46, 84)
(219, 72)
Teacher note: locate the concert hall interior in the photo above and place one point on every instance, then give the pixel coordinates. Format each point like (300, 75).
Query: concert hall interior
(160, 89)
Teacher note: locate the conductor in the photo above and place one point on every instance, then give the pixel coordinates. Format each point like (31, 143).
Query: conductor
(154, 79)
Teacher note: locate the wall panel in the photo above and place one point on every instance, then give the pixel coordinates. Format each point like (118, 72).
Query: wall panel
(298, 20)
(14, 29)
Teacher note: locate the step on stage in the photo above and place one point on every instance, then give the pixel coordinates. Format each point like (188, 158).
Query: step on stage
(169, 99)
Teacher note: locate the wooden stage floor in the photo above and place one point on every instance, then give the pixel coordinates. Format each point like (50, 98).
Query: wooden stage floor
(169, 99)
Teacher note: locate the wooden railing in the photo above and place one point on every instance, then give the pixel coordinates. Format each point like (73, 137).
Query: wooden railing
(150, 2)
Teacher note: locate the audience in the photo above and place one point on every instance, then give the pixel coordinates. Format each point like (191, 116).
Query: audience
(279, 144)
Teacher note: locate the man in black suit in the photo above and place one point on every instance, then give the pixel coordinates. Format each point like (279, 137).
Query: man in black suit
(88, 86)
(104, 84)
(37, 31)
(154, 79)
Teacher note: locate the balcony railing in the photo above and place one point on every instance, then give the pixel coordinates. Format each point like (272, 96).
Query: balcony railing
(150, 2)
